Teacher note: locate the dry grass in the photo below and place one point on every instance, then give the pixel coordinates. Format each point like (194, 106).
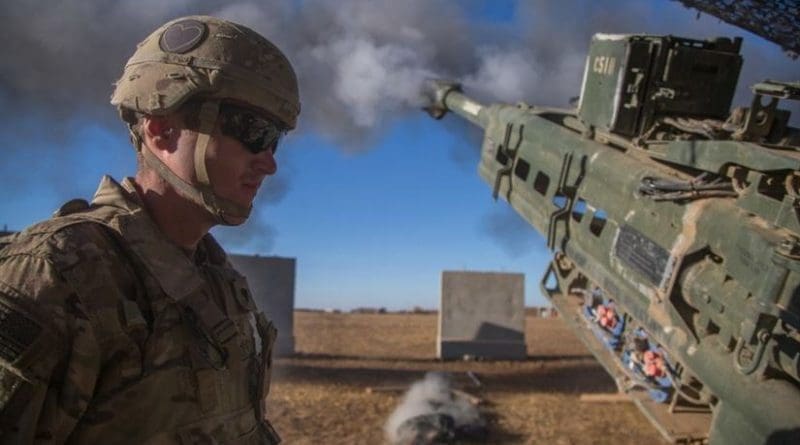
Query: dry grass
(319, 396)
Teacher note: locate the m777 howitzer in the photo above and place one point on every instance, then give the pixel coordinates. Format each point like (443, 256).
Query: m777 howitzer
(675, 226)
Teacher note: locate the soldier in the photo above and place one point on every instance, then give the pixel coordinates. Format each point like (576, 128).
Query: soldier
(121, 321)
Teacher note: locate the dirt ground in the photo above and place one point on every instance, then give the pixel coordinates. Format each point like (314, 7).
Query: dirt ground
(320, 395)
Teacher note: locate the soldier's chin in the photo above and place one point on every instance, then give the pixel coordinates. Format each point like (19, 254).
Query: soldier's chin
(236, 212)
(233, 221)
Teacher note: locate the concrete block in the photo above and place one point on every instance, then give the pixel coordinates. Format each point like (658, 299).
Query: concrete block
(272, 281)
(482, 314)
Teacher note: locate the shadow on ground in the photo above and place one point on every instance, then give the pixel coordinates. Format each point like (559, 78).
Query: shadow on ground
(559, 376)
(530, 358)
(498, 434)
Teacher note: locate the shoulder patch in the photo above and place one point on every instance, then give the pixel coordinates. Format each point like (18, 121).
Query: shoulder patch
(17, 332)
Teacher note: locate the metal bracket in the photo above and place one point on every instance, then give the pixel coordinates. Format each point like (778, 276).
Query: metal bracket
(760, 118)
(511, 154)
(569, 193)
(755, 335)
(755, 359)
(758, 121)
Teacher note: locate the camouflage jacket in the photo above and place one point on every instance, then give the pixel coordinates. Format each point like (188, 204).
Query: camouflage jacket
(111, 334)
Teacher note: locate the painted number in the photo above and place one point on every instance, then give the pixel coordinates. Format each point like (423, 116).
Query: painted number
(604, 65)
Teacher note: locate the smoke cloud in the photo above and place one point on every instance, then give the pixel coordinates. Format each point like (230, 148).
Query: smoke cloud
(432, 395)
(359, 62)
(255, 235)
(511, 232)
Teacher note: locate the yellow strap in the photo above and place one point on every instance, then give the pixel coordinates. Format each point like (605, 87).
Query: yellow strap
(182, 187)
(209, 112)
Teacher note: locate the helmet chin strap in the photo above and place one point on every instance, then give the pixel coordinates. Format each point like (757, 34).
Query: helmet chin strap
(224, 211)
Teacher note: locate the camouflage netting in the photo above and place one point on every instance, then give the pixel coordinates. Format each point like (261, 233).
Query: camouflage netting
(774, 20)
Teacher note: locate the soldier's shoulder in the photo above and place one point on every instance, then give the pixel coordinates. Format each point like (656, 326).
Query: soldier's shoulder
(41, 262)
(33, 287)
(58, 243)
(63, 268)
(56, 239)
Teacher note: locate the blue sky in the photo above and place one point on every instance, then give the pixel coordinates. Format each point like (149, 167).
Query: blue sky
(373, 211)
(377, 228)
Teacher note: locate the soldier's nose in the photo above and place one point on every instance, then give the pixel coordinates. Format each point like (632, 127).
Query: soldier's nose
(264, 163)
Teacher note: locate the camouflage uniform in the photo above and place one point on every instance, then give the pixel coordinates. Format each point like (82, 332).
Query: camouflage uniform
(110, 333)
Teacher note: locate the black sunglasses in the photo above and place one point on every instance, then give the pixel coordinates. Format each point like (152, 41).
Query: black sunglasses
(255, 132)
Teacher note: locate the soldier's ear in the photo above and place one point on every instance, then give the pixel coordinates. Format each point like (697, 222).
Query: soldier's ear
(158, 131)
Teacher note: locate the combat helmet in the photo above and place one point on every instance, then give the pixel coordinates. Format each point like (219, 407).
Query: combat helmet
(214, 60)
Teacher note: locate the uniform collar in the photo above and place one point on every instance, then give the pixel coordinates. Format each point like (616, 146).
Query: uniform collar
(175, 272)
(122, 196)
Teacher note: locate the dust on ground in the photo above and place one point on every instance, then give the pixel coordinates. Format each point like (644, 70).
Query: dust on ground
(320, 395)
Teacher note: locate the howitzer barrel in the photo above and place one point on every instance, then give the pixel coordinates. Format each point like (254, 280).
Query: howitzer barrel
(443, 96)
(693, 257)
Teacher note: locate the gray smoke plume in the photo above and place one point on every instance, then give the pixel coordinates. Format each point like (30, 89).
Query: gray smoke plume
(255, 235)
(511, 232)
(359, 62)
(432, 395)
